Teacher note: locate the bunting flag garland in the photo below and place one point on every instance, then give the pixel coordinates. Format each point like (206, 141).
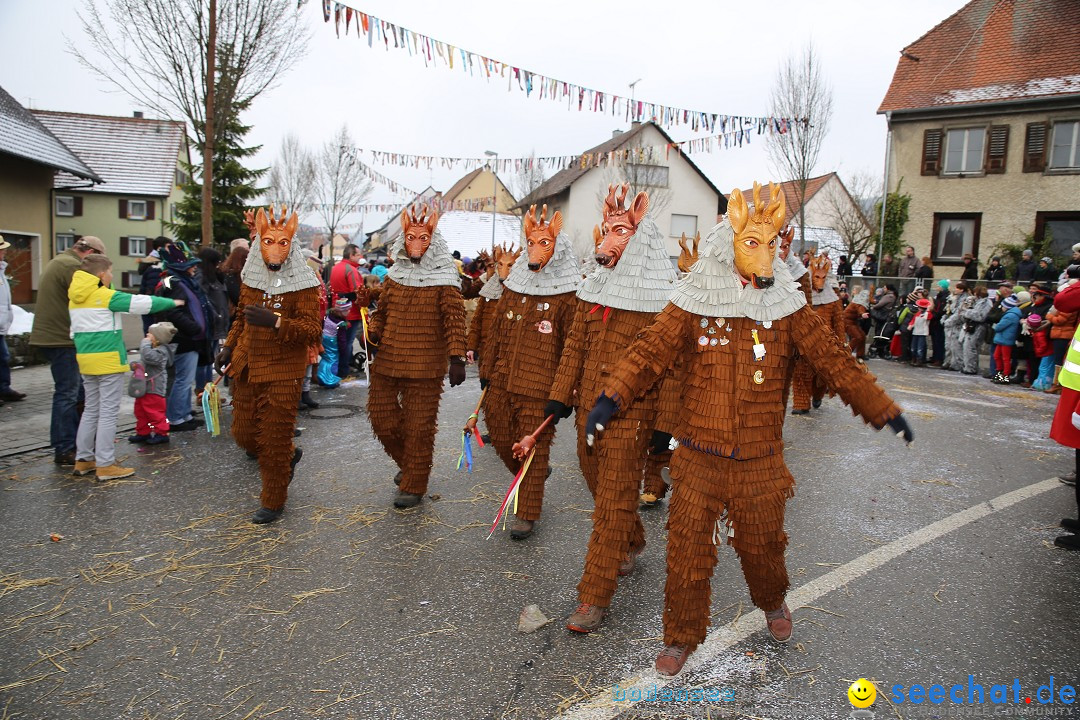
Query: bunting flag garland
(435, 52)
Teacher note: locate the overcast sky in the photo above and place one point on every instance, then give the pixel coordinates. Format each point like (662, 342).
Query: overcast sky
(715, 56)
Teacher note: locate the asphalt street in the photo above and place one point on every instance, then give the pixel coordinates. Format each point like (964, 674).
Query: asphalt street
(154, 597)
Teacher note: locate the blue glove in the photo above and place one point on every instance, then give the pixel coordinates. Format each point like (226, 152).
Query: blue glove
(900, 426)
(601, 414)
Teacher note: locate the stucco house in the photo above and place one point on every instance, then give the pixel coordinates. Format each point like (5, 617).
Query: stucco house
(139, 160)
(984, 122)
(682, 198)
(30, 155)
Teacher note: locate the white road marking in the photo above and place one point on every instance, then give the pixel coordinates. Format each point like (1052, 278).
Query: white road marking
(951, 399)
(725, 637)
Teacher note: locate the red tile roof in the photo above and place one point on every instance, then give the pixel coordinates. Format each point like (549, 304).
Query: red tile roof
(791, 202)
(991, 51)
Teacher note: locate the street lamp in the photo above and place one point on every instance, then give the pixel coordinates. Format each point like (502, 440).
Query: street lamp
(494, 195)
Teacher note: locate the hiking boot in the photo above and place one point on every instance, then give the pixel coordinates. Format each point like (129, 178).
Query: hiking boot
(84, 467)
(114, 472)
(64, 458)
(138, 438)
(305, 399)
(1070, 524)
(404, 499)
(671, 660)
(779, 622)
(586, 618)
(155, 439)
(265, 515)
(521, 529)
(648, 500)
(1068, 542)
(1069, 479)
(630, 562)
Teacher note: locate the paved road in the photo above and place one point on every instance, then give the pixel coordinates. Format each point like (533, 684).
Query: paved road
(922, 565)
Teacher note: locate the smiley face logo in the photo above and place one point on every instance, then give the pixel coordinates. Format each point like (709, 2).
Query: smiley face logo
(862, 693)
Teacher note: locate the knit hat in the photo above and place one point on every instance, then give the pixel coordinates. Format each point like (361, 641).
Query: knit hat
(943, 284)
(1034, 320)
(177, 257)
(1010, 302)
(1048, 260)
(239, 243)
(163, 332)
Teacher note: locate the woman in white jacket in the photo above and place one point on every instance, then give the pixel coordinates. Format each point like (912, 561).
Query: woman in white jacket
(6, 316)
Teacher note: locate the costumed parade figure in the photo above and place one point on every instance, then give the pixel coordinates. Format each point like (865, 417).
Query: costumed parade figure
(826, 303)
(419, 326)
(534, 317)
(482, 327)
(630, 285)
(855, 314)
(729, 480)
(277, 320)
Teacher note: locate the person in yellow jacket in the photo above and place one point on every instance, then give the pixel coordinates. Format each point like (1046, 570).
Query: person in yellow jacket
(99, 349)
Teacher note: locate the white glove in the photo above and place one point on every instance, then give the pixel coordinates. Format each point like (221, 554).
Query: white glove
(1076, 420)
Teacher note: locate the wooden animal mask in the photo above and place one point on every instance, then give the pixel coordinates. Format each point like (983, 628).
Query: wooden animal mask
(249, 220)
(620, 224)
(786, 236)
(755, 234)
(418, 228)
(820, 267)
(275, 236)
(504, 260)
(540, 237)
(688, 257)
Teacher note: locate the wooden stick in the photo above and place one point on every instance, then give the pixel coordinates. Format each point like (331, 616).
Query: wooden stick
(470, 424)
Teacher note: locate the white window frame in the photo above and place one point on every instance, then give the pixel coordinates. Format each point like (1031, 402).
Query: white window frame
(1074, 145)
(964, 152)
(68, 242)
(136, 246)
(132, 215)
(69, 199)
(678, 233)
(642, 175)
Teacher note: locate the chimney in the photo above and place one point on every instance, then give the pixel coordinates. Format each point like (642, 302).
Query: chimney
(635, 124)
(616, 133)
(138, 114)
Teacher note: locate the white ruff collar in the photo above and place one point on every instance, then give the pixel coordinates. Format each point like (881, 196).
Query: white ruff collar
(561, 275)
(643, 279)
(492, 289)
(795, 266)
(827, 294)
(294, 275)
(436, 266)
(713, 288)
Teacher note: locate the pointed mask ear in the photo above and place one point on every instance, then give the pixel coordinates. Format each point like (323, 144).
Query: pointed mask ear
(433, 221)
(737, 211)
(639, 207)
(290, 227)
(556, 223)
(261, 222)
(530, 220)
(597, 236)
(405, 218)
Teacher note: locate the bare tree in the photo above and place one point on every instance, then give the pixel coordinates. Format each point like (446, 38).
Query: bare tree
(529, 177)
(801, 93)
(340, 182)
(292, 176)
(155, 51)
(849, 218)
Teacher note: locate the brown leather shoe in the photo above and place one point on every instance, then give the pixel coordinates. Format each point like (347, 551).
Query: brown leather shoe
(629, 562)
(671, 660)
(779, 622)
(521, 529)
(586, 618)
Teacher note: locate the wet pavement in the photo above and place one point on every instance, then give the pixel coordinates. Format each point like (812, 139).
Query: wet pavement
(158, 599)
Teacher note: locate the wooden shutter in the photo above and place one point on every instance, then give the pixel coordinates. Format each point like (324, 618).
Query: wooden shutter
(123, 246)
(78, 207)
(1035, 147)
(123, 209)
(996, 149)
(931, 152)
(150, 206)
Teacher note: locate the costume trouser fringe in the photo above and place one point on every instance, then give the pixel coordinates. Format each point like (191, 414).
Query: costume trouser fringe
(511, 417)
(404, 415)
(806, 385)
(715, 498)
(857, 339)
(654, 481)
(264, 416)
(612, 468)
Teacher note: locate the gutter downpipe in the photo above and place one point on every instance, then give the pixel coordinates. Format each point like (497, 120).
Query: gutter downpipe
(885, 184)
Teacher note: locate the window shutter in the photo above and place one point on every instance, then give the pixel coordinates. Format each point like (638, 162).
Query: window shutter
(150, 207)
(78, 206)
(123, 209)
(123, 246)
(1035, 147)
(996, 149)
(931, 152)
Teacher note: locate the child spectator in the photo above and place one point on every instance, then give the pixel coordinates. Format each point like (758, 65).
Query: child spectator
(920, 331)
(1043, 350)
(1005, 332)
(99, 349)
(156, 351)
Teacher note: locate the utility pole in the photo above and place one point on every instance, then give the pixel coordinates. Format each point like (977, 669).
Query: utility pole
(208, 131)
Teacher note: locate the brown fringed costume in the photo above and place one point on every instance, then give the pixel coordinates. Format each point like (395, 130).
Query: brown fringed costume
(482, 328)
(630, 285)
(533, 318)
(728, 473)
(853, 318)
(809, 386)
(419, 326)
(278, 318)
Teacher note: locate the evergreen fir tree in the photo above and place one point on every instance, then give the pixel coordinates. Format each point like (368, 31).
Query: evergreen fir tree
(234, 189)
